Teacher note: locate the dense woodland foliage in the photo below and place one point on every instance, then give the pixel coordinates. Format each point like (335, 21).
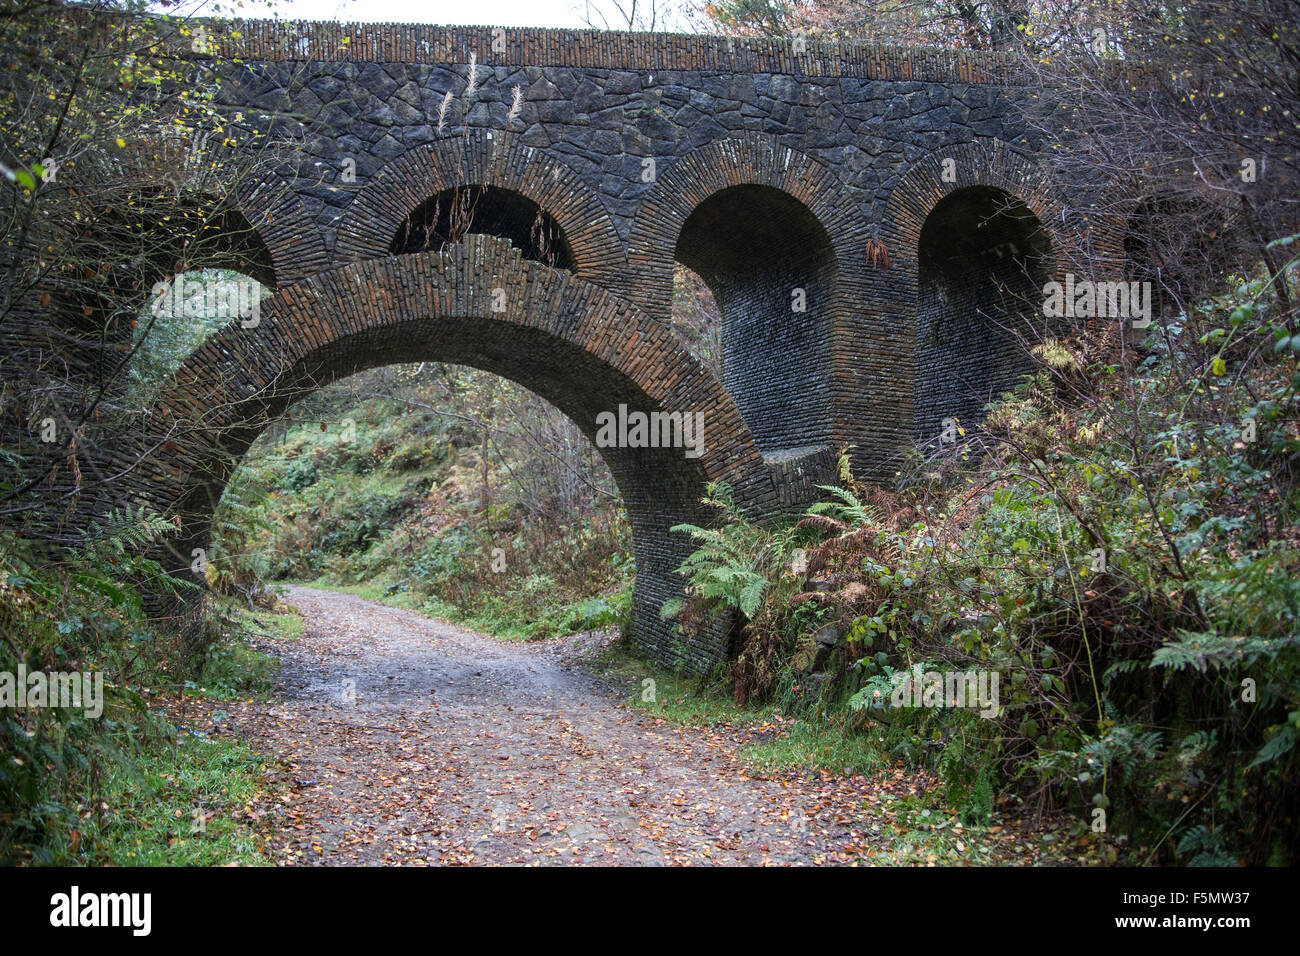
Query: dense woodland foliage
(1118, 539)
(436, 487)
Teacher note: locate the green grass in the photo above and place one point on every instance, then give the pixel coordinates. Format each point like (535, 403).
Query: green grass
(282, 624)
(678, 698)
(235, 668)
(809, 745)
(826, 743)
(816, 745)
(153, 808)
(497, 621)
(921, 829)
(156, 801)
(372, 589)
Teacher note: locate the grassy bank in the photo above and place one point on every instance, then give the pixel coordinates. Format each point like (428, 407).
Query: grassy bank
(121, 784)
(895, 799)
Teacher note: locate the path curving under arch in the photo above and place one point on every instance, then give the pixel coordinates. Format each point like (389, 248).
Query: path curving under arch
(478, 304)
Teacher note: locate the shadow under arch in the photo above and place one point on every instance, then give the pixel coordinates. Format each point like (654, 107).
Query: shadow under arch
(575, 345)
(985, 179)
(983, 258)
(771, 268)
(486, 211)
(245, 183)
(167, 204)
(149, 239)
(162, 206)
(807, 198)
(1182, 247)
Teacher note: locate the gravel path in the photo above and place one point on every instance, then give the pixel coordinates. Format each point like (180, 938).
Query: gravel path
(408, 740)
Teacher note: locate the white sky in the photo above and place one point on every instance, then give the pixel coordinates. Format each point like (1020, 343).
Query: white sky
(505, 13)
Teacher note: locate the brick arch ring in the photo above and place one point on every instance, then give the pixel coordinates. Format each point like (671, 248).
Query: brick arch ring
(1073, 236)
(579, 346)
(995, 164)
(753, 159)
(269, 203)
(483, 158)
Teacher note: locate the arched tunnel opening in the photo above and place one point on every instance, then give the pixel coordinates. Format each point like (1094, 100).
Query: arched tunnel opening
(89, 332)
(1183, 247)
(983, 259)
(659, 487)
(444, 488)
(453, 213)
(769, 263)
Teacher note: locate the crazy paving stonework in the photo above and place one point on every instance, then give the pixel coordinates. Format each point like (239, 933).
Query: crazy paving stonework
(772, 173)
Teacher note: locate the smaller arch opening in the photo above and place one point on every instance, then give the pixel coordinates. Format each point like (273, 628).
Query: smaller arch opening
(983, 229)
(147, 238)
(983, 259)
(770, 266)
(182, 312)
(161, 236)
(454, 213)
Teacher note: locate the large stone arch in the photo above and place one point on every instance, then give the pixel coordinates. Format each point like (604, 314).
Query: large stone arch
(811, 191)
(481, 158)
(575, 344)
(978, 170)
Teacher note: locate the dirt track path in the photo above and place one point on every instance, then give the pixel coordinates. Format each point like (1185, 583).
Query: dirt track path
(413, 741)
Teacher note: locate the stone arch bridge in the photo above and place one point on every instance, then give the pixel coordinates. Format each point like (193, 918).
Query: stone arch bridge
(778, 175)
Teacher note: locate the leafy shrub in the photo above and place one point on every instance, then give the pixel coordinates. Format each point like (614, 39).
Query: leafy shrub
(73, 613)
(300, 473)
